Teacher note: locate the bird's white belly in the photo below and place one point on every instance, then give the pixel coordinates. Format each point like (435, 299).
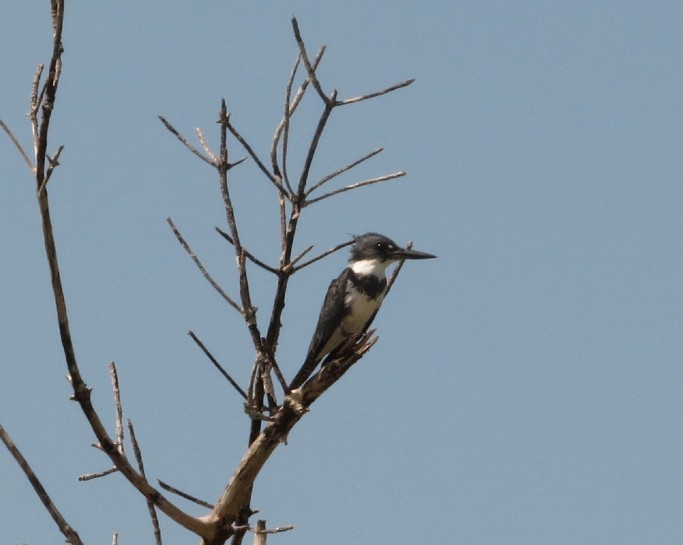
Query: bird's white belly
(361, 308)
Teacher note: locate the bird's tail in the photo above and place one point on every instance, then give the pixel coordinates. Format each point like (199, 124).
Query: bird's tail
(306, 371)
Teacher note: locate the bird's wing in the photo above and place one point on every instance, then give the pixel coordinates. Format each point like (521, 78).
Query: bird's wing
(331, 315)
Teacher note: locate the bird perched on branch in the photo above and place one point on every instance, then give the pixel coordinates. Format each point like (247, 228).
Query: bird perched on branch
(353, 298)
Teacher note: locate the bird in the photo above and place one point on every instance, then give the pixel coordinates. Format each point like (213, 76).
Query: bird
(353, 298)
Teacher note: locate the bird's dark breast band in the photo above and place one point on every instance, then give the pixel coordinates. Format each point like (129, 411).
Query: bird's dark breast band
(369, 285)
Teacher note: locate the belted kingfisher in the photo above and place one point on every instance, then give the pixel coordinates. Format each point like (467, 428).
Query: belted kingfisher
(353, 298)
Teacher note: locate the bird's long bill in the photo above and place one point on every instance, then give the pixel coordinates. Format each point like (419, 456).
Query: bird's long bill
(412, 254)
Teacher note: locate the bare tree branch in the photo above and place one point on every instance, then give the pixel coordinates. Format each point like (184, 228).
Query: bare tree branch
(17, 144)
(371, 181)
(206, 147)
(253, 154)
(117, 403)
(185, 143)
(44, 101)
(309, 66)
(260, 535)
(249, 255)
(53, 163)
(269, 424)
(290, 107)
(292, 410)
(206, 275)
(141, 467)
(218, 366)
(249, 311)
(396, 271)
(33, 107)
(314, 145)
(69, 533)
(324, 254)
(91, 476)
(342, 170)
(185, 495)
(284, 127)
(376, 93)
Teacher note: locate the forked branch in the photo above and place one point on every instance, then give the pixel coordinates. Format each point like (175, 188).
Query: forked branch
(43, 102)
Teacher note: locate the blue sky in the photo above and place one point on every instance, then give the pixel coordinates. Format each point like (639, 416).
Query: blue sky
(526, 387)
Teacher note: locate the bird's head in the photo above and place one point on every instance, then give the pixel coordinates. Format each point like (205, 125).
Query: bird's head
(380, 249)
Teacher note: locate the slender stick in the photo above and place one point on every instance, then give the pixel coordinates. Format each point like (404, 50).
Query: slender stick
(251, 257)
(185, 495)
(218, 366)
(185, 143)
(371, 181)
(376, 93)
(69, 533)
(249, 311)
(17, 144)
(343, 169)
(324, 254)
(91, 476)
(308, 65)
(44, 101)
(205, 145)
(141, 467)
(290, 107)
(53, 163)
(314, 145)
(252, 153)
(206, 275)
(117, 404)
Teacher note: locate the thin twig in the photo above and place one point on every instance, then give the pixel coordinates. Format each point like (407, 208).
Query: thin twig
(376, 93)
(278, 373)
(184, 495)
(117, 403)
(324, 254)
(17, 144)
(261, 532)
(300, 256)
(69, 533)
(204, 144)
(260, 535)
(206, 275)
(248, 310)
(251, 257)
(91, 476)
(394, 274)
(115, 539)
(253, 154)
(141, 467)
(283, 126)
(53, 163)
(371, 181)
(252, 381)
(44, 101)
(313, 147)
(285, 138)
(218, 366)
(34, 102)
(342, 170)
(307, 64)
(276, 530)
(185, 143)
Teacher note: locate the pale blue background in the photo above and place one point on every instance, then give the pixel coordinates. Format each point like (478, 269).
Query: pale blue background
(526, 388)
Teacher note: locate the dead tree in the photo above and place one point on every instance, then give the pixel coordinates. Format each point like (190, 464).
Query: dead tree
(272, 409)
